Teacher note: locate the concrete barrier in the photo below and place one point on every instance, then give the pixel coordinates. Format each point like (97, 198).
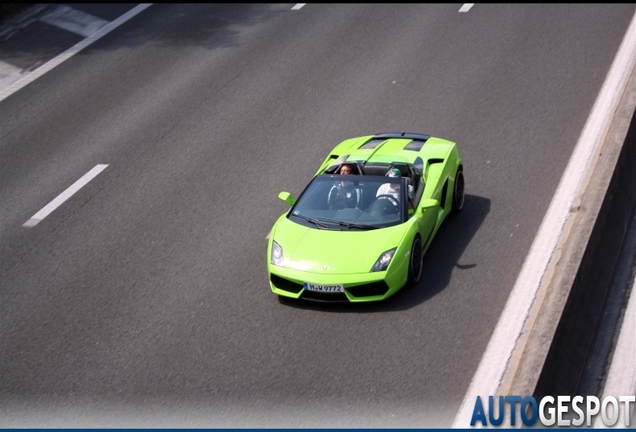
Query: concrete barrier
(571, 347)
(561, 336)
(544, 338)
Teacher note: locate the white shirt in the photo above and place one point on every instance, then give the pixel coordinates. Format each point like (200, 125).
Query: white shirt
(386, 189)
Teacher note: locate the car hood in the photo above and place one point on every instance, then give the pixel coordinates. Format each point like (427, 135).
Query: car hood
(330, 251)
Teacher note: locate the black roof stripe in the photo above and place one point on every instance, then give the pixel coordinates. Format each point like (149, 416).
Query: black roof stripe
(415, 145)
(371, 144)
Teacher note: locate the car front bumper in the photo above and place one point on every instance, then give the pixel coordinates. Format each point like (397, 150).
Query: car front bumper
(358, 287)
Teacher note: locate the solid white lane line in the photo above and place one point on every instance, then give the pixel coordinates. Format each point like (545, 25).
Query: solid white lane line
(502, 343)
(14, 87)
(73, 20)
(37, 218)
(466, 7)
(298, 6)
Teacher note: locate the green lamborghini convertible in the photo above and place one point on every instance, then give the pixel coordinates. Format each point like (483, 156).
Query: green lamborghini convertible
(359, 230)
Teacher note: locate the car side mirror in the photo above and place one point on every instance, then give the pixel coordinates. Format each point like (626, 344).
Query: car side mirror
(287, 197)
(427, 203)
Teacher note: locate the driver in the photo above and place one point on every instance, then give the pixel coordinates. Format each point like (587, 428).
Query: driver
(393, 189)
(343, 194)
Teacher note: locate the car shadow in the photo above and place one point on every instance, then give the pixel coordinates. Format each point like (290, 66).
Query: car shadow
(442, 257)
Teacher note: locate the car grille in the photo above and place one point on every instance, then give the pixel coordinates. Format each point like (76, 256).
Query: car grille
(369, 290)
(285, 284)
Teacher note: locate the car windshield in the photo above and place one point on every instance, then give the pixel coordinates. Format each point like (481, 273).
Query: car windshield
(351, 202)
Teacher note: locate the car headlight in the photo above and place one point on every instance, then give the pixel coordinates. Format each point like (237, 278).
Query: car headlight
(277, 254)
(383, 262)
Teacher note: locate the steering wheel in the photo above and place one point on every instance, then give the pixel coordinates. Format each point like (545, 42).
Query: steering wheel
(391, 198)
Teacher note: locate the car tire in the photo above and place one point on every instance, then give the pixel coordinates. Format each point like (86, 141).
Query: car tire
(416, 262)
(458, 191)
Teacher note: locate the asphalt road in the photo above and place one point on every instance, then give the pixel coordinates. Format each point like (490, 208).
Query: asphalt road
(143, 300)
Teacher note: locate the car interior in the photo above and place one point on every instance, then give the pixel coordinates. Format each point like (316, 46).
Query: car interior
(379, 169)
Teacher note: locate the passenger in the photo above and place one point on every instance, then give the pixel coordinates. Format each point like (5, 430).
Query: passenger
(393, 189)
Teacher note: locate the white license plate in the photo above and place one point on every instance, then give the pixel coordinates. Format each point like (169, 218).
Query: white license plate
(323, 288)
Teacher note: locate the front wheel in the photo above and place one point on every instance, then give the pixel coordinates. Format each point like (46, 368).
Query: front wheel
(458, 191)
(415, 262)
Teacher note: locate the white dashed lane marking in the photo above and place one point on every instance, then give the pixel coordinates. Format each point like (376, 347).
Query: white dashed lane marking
(73, 20)
(9, 73)
(8, 88)
(466, 7)
(59, 200)
(298, 6)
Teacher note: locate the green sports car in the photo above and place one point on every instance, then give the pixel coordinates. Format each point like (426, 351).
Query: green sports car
(359, 230)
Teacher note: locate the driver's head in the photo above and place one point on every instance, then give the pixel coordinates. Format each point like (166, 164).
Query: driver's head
(346, 170)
